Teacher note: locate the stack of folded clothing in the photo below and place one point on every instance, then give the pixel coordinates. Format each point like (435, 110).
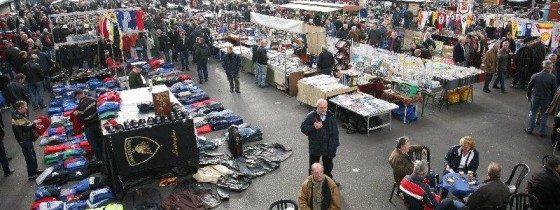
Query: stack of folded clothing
(91, 192)
(223, 119)
(108, 105)
(112, 83)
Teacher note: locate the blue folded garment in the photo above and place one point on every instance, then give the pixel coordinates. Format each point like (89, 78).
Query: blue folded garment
(109, 106)
(76, 205)
(250, 134)
(54, 110)
(81, 86)
(168, 66)
(99, 197)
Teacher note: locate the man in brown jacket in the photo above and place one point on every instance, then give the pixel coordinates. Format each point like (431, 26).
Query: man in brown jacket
(355, 34)
(401, 158)
(489, 65)
(318, 191)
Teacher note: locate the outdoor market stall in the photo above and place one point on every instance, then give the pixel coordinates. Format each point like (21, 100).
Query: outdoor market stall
(311, 89)
(366, 106)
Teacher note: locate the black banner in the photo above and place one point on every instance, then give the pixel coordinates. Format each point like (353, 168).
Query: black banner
(153, 150)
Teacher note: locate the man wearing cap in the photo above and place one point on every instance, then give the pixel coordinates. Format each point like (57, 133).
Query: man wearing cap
(35, 78)
(135, 78)
(87, 113)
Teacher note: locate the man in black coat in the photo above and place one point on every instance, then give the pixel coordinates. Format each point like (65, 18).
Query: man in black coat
(325, 62)
(342, 33)
(35, 78)
(375, 36)
(17, 90)
(524, 61)
(459, 52)
(545, 184)
(183, 47)
(321, 130)
(164, 45)
(46, 63)
(231, 64)
(200, 56)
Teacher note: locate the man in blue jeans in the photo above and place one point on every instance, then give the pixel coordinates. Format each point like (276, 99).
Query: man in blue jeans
(261, 62)
(540, 92)
(35, 77)
(201, 54)
(23, 132)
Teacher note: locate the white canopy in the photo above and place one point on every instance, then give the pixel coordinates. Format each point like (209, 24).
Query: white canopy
(310, 7)
(294, 26)
(317, 3)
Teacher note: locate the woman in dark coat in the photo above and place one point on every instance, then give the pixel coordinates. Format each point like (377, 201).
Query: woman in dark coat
(463, 157)
(475, 58)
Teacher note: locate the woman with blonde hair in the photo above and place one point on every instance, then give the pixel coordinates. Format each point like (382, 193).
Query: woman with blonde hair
(462, 157)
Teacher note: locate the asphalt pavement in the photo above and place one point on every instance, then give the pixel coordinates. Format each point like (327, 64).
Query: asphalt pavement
(495, 120)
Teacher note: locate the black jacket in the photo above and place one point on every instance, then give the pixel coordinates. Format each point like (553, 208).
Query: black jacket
(542, 86)
(453, 159)
(135, 80)
(18, 92)
(201, 53)
(261, 56)
(322, 142)
(22, 127)
(164, 43)
(375, 37)
(544, 185)
(342, 34)
(231, 63)
(491, 194)
(33, 72)
(183, 45)
(87, 111)
(325, 62)
(459, 53)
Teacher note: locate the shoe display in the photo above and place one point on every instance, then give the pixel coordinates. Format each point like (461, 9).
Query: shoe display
(142, 123)
(237, 91)
(134, 124)
(150, 121)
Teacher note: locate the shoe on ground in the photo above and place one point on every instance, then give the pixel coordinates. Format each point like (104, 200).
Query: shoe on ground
(10, 172)
(337, 183)
(231, 91)
(35, 107)
(237, 91)
(10, 158)
(495, 87)
(206, 80)
(200, 82)
(486, 91)
(39, 172)
(31, 178)
(503, 91)
(528, 131)
(543, 135)
(42, 106)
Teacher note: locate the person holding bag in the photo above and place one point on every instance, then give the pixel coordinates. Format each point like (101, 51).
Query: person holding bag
(24, 132)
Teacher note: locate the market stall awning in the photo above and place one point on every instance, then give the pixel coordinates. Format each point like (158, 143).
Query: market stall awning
(294, 26)
(345, 7)
(310, 7)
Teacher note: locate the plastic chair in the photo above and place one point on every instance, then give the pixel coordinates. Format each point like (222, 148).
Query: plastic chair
(412, 203)
(524, 201)
(283, 204)
(545, 159)
(521, 176)
(417, 155)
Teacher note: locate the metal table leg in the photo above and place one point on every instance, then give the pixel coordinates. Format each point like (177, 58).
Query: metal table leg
(368, 128)
(405, 108)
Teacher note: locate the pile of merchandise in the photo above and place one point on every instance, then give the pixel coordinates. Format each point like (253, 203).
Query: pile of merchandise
(69, 181)
(363, 104)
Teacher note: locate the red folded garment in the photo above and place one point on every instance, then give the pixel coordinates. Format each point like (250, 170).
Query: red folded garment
(204, 129)
(51, 149)
(184, 77)
(36, 204)
(85, 145)
(203, 103)
(42, 123)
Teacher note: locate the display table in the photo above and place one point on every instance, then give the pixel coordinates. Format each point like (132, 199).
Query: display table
(392, 95)
(148, 152)
(313, 88)
(460, 186)
(366, 106)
